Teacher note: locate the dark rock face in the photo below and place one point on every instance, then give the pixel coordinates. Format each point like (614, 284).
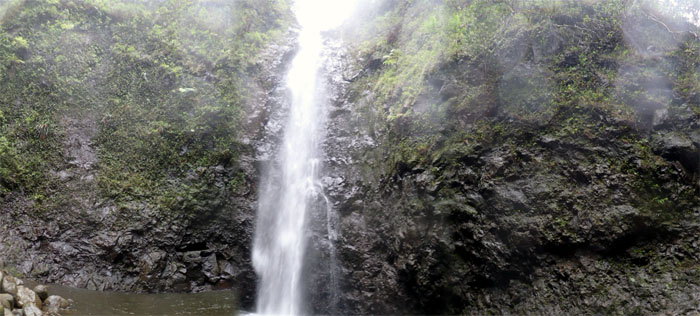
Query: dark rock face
(679, 147)
(137, 251)
(506, 231)
(534, 222)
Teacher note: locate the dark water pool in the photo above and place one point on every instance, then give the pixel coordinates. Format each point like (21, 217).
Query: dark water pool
(92, 303)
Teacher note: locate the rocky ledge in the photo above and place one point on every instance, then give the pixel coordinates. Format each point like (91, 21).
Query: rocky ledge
(19, 300)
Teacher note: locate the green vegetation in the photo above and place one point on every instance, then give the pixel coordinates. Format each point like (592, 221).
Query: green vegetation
(416, 39)
(164, 81)
(486, 74)
(532, 122)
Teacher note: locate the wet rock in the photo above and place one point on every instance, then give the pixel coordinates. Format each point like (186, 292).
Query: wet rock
(677, 146)
(210, 268)
(107, 240)
(510, 198)
(32, 310)
(55, 304)
(10, 285)
(149, 264)
(27, 297)
(193, 257)
(64, 248)
(226, 269)
(660, 118)
(695, 137)
(42, 291)
(670, 142)
(7, 301)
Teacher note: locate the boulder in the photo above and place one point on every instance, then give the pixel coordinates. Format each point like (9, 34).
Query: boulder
(32, 310)
(192, 257)
(660, 118)
(7, 301)
(210, 268)
(149, 264)
(677, 146)
(9, 285)
(54, 304)
(8, 312)
(27, 297)
(42, 291)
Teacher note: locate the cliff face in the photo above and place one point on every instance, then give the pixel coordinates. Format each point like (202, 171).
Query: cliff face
(126, 140)
(496, 158)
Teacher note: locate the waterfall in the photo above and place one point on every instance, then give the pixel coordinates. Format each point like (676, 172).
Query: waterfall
(287, 192)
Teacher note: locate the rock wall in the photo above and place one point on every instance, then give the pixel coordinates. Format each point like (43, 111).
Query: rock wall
(97, 246)
(451, 204)
(98, 219)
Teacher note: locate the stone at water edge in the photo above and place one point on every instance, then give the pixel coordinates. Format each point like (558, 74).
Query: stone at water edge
(32, 310)
(8, 312)
(54, 304)
(7, 301)
(27, 297)
(42, 291)
(9, 285)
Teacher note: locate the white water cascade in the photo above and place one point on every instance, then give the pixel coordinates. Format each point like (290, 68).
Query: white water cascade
(280, 239)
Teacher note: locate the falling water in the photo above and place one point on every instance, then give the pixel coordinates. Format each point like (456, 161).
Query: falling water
(280, 241)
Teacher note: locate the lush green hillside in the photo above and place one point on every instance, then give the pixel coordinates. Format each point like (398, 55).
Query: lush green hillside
(447, 77)
(162, 85)
(123, 164)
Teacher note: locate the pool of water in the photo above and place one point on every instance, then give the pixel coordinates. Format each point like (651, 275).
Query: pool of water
(93, 303)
